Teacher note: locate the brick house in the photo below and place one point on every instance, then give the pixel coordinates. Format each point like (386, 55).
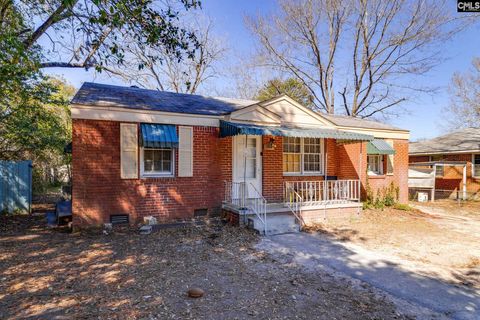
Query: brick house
(451, 152)
(140, 153)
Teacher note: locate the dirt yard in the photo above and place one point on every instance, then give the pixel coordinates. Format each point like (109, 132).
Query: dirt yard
(442, 240)
(50, 274)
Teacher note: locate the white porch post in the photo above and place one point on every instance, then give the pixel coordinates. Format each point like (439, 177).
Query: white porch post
(360, 176)
(325, 183)
(464, 182)
(432, 195)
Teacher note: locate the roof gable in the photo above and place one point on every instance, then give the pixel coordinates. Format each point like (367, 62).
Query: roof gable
(293, 113)
(255, 113)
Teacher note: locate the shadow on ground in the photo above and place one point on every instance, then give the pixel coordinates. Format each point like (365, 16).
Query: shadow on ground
(317, 251)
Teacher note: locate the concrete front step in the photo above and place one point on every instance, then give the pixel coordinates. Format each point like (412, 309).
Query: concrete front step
(276, 224)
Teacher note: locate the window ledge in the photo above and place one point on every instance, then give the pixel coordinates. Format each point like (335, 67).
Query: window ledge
(313, 174)
(154, 176)
(376, 176)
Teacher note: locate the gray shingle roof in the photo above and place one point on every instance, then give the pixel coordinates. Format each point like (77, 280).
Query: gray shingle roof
(96, 94)
(346, 121)
(457, 141)
(104, 95)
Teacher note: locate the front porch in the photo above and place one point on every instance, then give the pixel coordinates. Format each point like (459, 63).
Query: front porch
(305, 174)
(304, 203)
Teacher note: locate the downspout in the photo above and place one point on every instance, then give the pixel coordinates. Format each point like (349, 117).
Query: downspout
(244, 172)
(360, 177)
(325, 184)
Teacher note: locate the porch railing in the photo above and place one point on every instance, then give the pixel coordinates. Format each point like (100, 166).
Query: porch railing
(316, 192)
(295, 204)
(259, 207)
(235, 193)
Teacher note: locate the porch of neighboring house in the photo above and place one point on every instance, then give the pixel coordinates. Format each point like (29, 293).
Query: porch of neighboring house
(422, 179)
(273, 200)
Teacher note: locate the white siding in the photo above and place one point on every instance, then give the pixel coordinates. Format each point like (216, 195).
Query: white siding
(128, 151)
(185, 151)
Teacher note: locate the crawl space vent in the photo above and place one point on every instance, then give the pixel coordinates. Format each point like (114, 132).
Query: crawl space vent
(118, 219)
(200, 212)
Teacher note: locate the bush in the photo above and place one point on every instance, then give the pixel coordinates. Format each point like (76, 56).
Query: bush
(386, 197)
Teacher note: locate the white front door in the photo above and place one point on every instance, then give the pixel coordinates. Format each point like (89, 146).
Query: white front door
(247, 163)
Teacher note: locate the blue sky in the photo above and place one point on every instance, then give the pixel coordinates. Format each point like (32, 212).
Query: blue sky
(424, 116)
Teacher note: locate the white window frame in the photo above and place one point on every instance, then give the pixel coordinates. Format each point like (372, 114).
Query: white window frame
(156, 174)
(438, 173)
(473, 165)
(302, 171)
(380, 158)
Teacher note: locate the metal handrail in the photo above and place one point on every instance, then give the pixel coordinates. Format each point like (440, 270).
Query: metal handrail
(259, 207)
(235, 193)
(295, 205)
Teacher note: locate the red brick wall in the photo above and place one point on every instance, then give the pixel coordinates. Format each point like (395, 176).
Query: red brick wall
(98, 190)
(453, 175)
(273, 178)
(343, 162)
(400, 172)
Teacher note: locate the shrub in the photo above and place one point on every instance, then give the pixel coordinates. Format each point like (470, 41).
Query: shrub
(386, 197)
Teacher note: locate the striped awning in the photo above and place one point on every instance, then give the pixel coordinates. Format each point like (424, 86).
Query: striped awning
(379, 146)
(158, 136)
(233, 129)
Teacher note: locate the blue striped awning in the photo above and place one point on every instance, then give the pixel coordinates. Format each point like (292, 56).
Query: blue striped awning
(158, 136)
(379, 146)
(232, 129)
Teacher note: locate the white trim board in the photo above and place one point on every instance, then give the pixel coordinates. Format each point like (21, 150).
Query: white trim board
(145, 116)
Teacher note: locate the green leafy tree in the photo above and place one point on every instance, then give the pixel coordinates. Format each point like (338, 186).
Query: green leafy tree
(90, 33)
(292, 87)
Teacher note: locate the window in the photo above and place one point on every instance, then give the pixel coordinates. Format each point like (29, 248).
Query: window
(157, 162)
(251, 158)
(375, 164)
(476, 165)
(439, 170)
(302, 155)
(291, 155)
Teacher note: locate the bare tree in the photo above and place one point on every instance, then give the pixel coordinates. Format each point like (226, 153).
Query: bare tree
(464, 107)
(162, 71)
(360, 51)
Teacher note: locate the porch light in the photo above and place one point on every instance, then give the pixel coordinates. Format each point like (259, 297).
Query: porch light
(271, 144)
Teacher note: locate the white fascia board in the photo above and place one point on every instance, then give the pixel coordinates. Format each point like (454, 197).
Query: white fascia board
(145, 116)
(379, 133)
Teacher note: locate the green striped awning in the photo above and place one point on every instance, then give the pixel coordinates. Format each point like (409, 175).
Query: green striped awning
(379, 146)
(233, 129)
(158, 135)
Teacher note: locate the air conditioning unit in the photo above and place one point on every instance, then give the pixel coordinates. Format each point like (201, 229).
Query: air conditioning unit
(422, 197)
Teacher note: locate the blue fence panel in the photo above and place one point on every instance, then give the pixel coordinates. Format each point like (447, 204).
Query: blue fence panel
(15, 186)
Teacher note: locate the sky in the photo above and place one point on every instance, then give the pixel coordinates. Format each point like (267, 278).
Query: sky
(423, 116)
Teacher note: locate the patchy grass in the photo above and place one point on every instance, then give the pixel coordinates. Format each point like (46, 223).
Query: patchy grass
(402, 206)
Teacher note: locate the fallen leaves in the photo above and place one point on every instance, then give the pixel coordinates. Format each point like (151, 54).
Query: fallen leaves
(124, 275)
